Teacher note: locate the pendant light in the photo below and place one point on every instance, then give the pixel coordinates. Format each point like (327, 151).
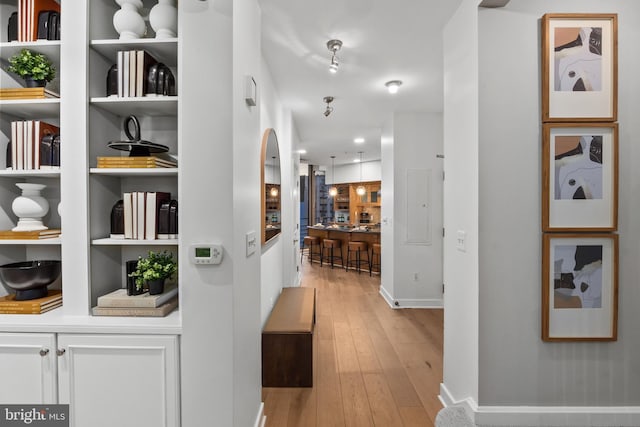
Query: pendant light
(361, 191)
(274, 189)
(333, 191)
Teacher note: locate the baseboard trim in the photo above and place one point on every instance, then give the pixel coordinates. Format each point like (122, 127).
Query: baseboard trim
(551, 416)
(261, 418)
(410, 303)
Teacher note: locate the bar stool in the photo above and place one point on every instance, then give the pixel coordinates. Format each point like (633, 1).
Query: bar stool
(309, 242)
(358, 248)
(331, 244)
(376, 257)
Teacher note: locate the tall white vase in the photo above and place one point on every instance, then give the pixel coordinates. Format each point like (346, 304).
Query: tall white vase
(127, 21)
(30, 207)
(164, 19)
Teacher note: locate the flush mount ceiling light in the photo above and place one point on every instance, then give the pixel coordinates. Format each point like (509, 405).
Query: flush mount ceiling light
(333, 191)
(334, 46)
(359, 140)
(328, 100)
(393, 85)
(361, 191)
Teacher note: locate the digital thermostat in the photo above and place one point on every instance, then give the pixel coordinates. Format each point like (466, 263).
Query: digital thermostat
(205, 254)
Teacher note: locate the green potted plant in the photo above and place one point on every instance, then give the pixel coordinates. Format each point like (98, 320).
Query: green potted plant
(153, 270)
(33, 67)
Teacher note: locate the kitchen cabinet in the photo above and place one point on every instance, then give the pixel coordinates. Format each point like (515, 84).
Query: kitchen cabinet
(107, 379)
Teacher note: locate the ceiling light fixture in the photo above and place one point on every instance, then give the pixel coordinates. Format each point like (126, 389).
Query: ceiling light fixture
(361, 191)
(274, 189)
(328, 100)
(334, 46)
(393, 85)
(359, 140)
(333, 191)
(302, 151)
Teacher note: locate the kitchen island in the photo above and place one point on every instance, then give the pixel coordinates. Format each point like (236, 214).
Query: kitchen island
(345, 235)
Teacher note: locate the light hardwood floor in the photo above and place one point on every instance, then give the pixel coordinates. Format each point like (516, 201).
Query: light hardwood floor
(373, 366)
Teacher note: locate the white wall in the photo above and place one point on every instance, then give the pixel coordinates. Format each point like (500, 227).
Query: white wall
(371, 171)
(411, 142)
(279, 256)
(246, 218)
(461, 203)
(418, 265)
(206, 305)
(526, 370)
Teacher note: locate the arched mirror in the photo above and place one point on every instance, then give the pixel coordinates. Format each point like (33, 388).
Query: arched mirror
(270, 177)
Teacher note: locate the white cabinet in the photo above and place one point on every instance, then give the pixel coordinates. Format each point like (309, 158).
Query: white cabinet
(107, 380)
(28, 366)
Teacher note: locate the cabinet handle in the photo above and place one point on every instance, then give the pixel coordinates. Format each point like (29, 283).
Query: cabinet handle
(60, 351)
(44, 352)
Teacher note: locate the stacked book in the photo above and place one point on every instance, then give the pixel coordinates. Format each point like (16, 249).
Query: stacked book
(28, 93)
(9, 305)
(148, 215)
(139, 74)
(118, 303)
(135, 162)
(35, 19)
(35, 144)
(30, 235)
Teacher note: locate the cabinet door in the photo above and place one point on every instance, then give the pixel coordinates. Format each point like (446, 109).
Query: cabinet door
(120, 380)
(28, 367)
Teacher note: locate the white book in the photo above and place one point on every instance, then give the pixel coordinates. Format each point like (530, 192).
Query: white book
(134, 214)
(142, 204)
(120, 76)
(132, 72)
(119, 298)
(125, 74)
(14, 145)
(19, 146)
(29, 145)
(128, 215)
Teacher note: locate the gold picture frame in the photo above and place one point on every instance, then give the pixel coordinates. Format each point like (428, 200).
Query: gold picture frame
(579, 67)
(580, 287)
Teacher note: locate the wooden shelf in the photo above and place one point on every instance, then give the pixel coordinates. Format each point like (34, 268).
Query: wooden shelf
(42, 173)
(134, 171)
(164, 50)
(151, 106)
(49, 48)
(31, 108)
(131, 242)
(35, 242)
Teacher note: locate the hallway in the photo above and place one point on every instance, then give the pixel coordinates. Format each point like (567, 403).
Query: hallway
(372, 365)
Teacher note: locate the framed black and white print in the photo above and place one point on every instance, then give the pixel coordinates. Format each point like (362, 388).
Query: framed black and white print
(579, 287)
(579, 67)
(580, 177)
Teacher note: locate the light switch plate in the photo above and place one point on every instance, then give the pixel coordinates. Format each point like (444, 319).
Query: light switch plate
(252, 242)
(461, 241)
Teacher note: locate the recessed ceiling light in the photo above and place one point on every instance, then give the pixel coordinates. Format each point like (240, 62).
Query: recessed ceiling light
(302, 151)
(358, 140)
(356, 160)
(393, 85)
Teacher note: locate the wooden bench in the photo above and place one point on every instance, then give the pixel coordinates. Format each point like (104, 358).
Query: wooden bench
(287, 340)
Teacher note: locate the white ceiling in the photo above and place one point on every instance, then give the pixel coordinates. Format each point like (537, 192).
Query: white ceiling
(382, 40)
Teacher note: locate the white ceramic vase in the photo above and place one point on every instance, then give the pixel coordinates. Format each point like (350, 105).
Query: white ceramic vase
(127, 21)
(30, 207)
(164, 19)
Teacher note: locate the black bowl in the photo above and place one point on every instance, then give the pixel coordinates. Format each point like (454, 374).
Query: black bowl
(30, 278)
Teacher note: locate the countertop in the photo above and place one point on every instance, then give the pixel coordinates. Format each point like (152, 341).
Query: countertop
(345, 229)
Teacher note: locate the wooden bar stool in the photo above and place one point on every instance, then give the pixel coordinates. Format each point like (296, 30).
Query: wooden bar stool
(358, 248)
(309, 242)
(330, 245)
(376, 257)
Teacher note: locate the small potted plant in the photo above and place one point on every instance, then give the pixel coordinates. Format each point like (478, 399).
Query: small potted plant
(34, 68)
(153, 270)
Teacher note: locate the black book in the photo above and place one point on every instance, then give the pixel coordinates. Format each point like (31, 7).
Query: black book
(112, 80)
(163, 220)
(13, 27)
(173, 219)
(50, 151)
(53, 26)
(8, 156)
(117, 220)
(43, 24)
